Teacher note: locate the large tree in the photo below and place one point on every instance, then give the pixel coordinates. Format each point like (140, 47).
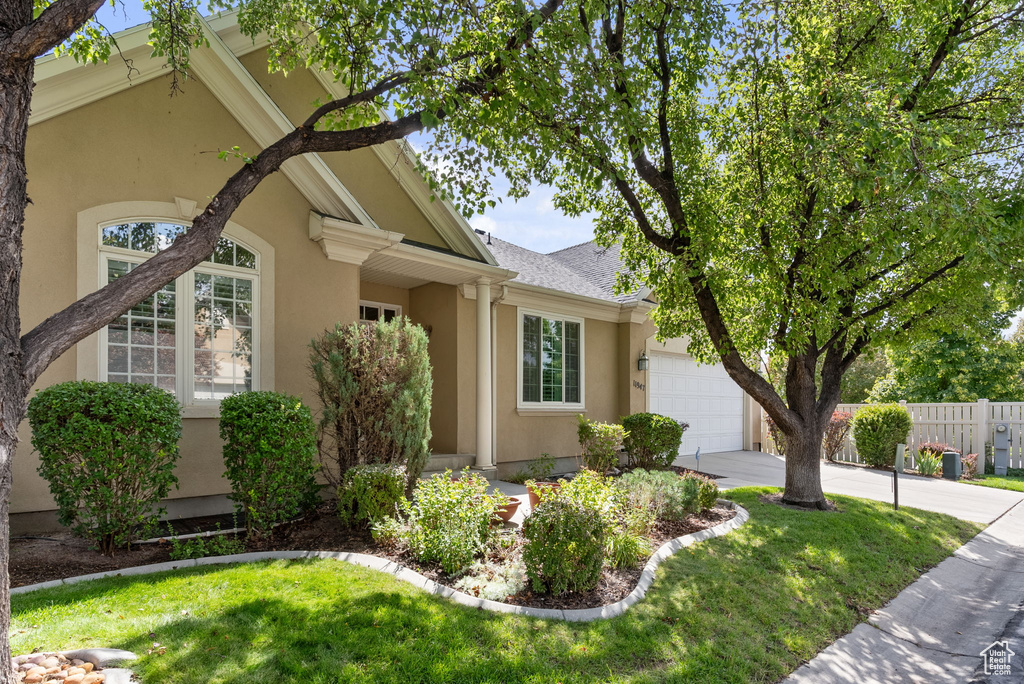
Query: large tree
(958, 366)
(805, 178)
(420, 60)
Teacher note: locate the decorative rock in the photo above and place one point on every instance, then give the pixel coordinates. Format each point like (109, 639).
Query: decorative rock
(92, 678)
(74, 679)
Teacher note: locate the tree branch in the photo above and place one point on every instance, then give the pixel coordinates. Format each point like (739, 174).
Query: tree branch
(62, 330)
(52, 27)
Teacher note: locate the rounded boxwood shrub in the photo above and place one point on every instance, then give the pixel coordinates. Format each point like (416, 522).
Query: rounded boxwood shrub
(108, 451)
(652, 440)
(877, 429)
(369, 493)
(269, 457)
(565, 546)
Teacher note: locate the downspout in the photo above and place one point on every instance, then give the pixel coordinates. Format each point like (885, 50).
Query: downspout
(494, 374)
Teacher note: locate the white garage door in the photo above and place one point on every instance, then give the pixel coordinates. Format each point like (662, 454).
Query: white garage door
(703, 396)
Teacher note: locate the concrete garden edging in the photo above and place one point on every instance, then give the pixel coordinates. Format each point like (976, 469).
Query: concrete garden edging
(416, 579)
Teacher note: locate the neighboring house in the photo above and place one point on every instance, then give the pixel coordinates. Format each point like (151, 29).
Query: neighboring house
(117, 168)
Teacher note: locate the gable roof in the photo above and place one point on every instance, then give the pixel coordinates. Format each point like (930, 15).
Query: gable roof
(63, 85)
(586, 269)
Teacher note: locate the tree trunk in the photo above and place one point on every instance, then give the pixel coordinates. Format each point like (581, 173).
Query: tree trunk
(15, 96)
(803, 468)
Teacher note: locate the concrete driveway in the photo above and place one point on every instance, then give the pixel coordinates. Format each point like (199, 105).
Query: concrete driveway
(964, 501)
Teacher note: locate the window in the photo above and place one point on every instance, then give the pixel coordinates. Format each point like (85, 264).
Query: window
(197, 336)
(550, 360)
(371, 312)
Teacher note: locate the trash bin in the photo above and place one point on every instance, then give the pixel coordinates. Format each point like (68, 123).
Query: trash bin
(951, 466)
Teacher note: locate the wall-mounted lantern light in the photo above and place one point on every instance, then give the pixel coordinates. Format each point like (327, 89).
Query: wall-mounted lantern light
(643, 363)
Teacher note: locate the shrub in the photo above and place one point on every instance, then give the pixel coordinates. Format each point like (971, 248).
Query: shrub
(928, 463)
(588, 489)
(269, 457)
(877, 429)
(777, 435)
(599, 443)
(371, 492)
(493, 581)
(387, 532)
(707, 491)
(374, 385)
(201, 547)
(936, 448)
(564, 549)
(652, 440)
(627, 549)
(835, 434)
(449, 520)
(664, 492)
(970, 467)
(108, 451)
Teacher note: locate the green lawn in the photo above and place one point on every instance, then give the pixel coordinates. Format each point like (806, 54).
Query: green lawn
(747, 607)
(1012, 482)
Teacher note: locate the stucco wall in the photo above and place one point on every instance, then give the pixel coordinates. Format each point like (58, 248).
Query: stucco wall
(525, 437)
(435, 307)
(141, 145)
(362, 171)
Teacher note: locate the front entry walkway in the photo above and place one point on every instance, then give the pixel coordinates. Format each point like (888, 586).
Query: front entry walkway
(964, 501)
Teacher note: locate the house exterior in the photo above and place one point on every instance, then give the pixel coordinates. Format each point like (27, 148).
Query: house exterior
(117, 168)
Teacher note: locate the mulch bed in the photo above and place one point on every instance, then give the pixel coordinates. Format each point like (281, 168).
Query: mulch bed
(61, 555)
(684, 471)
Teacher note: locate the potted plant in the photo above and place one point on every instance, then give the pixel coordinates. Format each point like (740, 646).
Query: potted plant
(507, 509)
(539, 491)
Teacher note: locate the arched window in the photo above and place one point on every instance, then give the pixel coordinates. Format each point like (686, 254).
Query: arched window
(197, 336)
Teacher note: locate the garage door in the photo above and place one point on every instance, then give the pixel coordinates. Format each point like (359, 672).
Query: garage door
(703, 396)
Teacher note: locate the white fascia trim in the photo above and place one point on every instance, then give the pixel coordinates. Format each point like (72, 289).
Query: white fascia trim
(236, 89)
(348, 242)
(62, 84)
(474, 269)
(556, 302)
(400, 160)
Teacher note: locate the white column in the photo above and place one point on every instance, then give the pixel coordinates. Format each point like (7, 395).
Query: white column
(483, 374)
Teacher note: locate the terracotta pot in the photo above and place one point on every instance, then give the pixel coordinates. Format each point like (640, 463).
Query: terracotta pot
(532, 491)
(509, 510)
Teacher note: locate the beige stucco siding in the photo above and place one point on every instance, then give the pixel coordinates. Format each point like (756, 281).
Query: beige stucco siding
(525, 437)
(362, 171)
(385, 294)
(435, 307)
(141, 145)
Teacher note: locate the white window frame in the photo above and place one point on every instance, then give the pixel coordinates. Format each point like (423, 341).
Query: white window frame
(576, 407)
(184, 344)
(380, 306)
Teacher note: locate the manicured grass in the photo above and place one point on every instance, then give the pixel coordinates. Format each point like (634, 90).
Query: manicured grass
(747, 607)
(1011, 482)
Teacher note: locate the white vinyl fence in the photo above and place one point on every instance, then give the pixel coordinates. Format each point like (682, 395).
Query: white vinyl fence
(968, 427)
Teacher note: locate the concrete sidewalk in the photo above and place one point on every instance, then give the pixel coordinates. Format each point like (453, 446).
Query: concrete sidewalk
(935, 630)
(964, 501)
